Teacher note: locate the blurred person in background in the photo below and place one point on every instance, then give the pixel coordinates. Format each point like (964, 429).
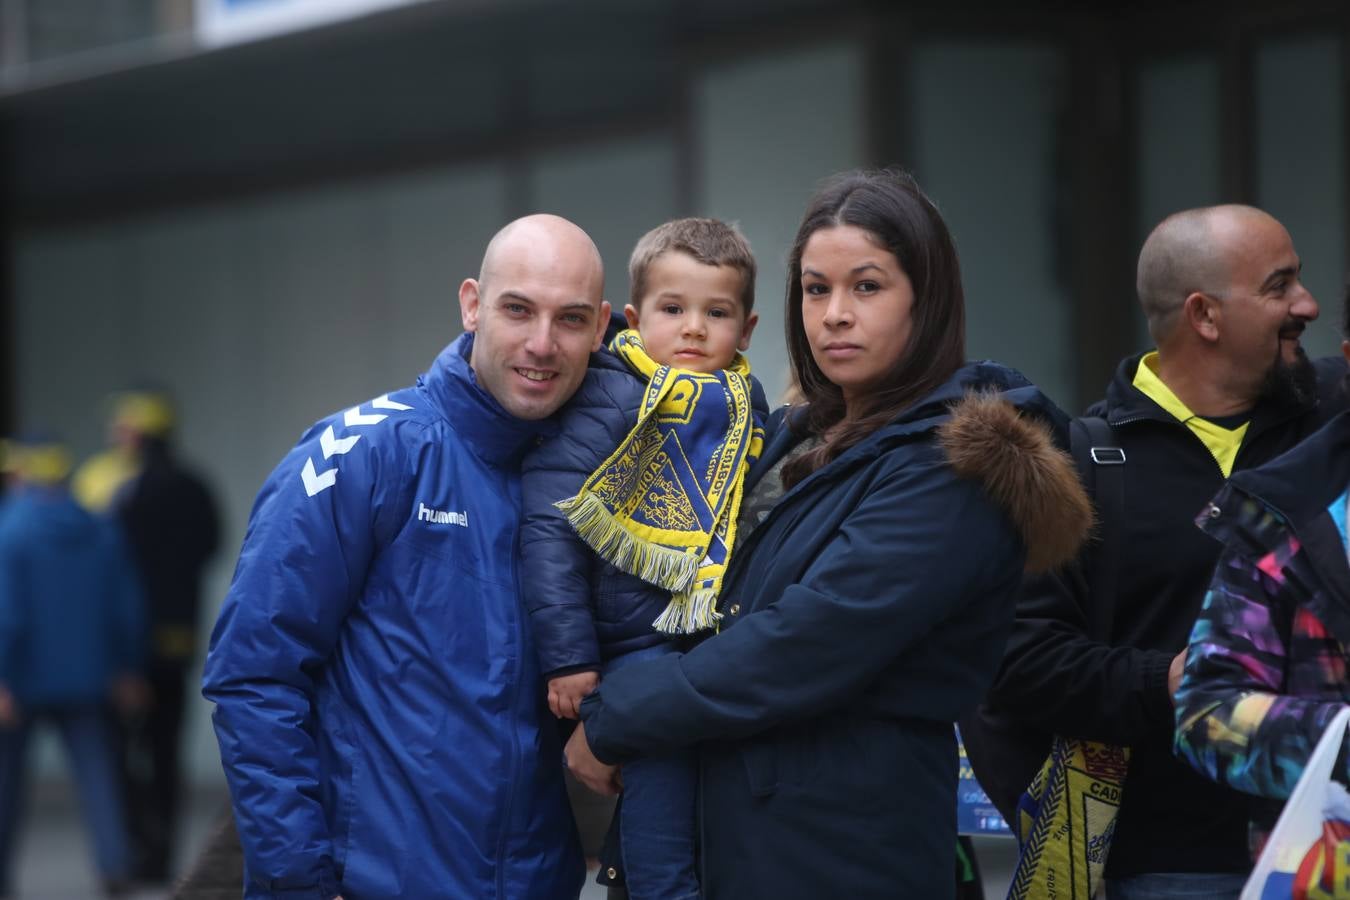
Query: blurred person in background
(71, 639)
(378, 699)
(1266, 667)
(170, 521)
(6, 476)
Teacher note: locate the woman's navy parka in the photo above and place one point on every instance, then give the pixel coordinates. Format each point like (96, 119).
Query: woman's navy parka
(863, 616)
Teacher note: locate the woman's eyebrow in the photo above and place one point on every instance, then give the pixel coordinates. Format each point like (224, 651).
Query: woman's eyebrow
(864, 267)
(854, 271)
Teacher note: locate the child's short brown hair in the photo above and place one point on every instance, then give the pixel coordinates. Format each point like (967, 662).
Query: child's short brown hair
(710, 241)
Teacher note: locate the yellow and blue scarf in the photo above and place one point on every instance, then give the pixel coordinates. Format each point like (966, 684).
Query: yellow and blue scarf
(1066, 819)
(663, 507)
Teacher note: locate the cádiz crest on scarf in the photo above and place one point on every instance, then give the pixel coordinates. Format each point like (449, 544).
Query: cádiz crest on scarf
(663, 507)
(1066, 820)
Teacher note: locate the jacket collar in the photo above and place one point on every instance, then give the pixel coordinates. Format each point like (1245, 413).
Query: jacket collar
(1301, 483)
(786, 431)
(493, 434)
(1126, 403)
(1282, 505)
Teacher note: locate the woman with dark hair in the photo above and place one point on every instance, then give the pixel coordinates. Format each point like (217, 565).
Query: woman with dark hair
(882, 538)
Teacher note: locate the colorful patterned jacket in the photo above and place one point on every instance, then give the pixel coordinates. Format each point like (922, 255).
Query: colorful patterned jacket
(1266, 669)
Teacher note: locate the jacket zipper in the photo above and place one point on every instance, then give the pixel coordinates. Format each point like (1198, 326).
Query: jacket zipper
(702, 829)
(514, 745)
(1187, 428)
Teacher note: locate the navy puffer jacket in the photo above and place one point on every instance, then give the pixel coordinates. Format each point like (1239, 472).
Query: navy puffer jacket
(585, 611)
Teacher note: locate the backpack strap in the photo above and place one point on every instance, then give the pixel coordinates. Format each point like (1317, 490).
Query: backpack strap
(1101, 465)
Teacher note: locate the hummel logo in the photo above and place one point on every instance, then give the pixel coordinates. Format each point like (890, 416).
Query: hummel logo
(439, 517)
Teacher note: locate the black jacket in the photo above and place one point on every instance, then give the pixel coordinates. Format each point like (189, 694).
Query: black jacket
(173, 527)
(863, 615)
(1056, 678)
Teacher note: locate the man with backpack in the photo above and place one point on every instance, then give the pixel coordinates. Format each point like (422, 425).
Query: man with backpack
(1097, 650)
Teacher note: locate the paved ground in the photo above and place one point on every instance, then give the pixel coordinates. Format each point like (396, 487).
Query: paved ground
(998, 857)
(55, 862)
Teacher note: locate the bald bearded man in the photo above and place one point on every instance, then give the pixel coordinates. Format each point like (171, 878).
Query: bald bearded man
(377, 696)
(1228, 388)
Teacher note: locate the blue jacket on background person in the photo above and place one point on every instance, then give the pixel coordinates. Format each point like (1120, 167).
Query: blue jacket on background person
(866, 613)
(585, 611)
(377, 694)
(71, 609)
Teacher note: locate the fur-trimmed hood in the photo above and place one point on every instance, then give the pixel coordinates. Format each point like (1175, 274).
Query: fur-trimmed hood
(995, 427)
(1014, 455)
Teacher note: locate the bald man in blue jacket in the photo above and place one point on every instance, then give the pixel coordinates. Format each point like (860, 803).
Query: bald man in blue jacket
(377, 696)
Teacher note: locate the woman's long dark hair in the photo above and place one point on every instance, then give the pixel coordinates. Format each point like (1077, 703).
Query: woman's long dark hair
(891, 208)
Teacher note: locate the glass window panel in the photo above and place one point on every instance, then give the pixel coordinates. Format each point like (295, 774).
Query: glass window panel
(1178, 143)
(986, 115)
(1300, 165)
(1178, 137)
(770, 129)
(616, 191)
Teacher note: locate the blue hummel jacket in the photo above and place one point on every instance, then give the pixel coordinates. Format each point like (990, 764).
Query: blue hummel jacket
(377, 695)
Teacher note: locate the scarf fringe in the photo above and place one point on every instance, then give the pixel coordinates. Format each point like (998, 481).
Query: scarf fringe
(597, 526)
(690, 612)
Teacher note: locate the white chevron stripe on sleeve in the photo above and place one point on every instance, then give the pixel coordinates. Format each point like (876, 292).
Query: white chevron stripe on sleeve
(383, 402)
(317, 481)
(354, 416)
(331, 444)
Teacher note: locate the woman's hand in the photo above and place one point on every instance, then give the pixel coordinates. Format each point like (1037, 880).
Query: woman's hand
(588, 770)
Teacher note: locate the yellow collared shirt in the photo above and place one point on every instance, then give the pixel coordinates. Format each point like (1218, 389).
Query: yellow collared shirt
(1223, 443)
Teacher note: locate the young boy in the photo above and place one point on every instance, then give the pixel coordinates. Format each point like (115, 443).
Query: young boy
(645, 480)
